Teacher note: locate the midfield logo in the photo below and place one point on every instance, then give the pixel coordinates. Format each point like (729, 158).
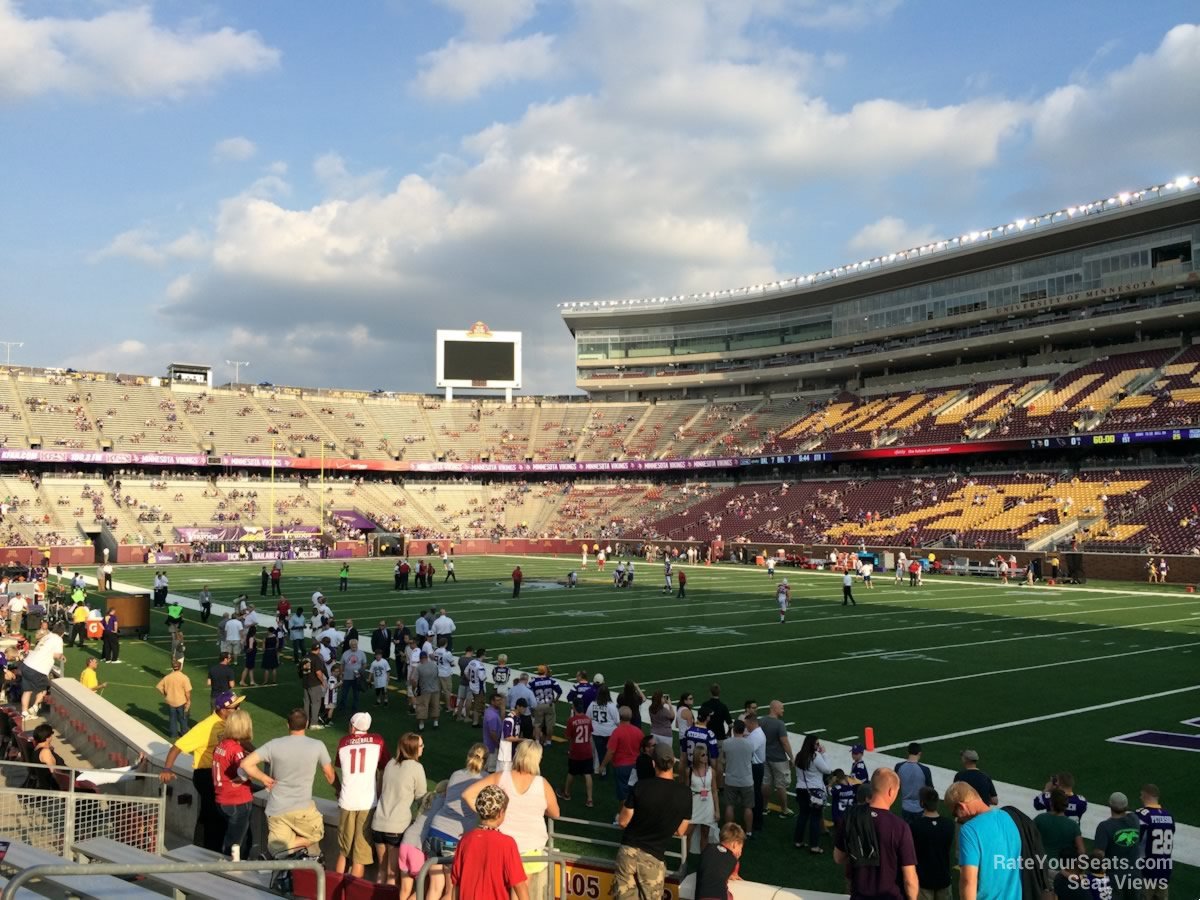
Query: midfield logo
(1166, 740)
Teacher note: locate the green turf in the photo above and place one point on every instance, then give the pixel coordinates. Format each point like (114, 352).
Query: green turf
(956, 655)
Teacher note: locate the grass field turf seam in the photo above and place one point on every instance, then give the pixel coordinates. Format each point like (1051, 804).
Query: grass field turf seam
(832, 686)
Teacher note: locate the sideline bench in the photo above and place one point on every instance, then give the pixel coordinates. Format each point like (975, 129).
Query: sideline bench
(200, 884)
(96, 887)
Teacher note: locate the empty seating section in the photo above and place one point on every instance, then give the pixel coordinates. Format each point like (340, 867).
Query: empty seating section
(233, 422)
(507, 431)
(14, 431)
(33, 518)
(293, 424)
(1078, 398)
(350, 427)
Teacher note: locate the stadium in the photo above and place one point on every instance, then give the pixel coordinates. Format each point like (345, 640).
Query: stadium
(1013, 411)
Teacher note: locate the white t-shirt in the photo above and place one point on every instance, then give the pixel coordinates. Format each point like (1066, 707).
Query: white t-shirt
(41, 658)
(359, 757)
(17, 605)
(381, 672)
(866, 570)
(758, 740)
(443, 625)
(233, 631)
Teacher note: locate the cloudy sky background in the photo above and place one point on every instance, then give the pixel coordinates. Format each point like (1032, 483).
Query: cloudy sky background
(317, 191)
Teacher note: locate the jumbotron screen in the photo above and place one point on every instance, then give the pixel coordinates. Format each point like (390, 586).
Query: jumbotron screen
(475, 360)
(478, 357)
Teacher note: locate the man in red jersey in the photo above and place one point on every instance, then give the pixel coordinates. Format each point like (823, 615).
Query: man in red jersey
(579, 752)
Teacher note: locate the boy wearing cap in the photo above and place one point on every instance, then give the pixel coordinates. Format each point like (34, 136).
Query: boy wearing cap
(200, 741)
(858, 769)
(359, 755)
(487, 865)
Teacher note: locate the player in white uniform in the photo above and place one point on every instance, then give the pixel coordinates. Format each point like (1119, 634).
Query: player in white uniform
(619, 575)
(572, 579)
(783, 596)
(667, 588)
(771, 566)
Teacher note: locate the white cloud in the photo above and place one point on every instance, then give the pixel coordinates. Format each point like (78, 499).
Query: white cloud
(234, 149)
(890, 234)
(337, 180)
(143, 245)
(122, 51)
(1143, 114)
(490, 20)
(462, 70)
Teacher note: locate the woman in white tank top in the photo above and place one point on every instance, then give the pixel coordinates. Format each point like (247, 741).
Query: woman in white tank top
(530, 800)
(683, 713)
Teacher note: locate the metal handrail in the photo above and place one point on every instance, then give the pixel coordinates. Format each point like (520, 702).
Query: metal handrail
(166, 868)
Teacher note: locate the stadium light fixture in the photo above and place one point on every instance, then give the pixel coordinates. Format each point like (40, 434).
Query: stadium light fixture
(8, 348)
(237, 368)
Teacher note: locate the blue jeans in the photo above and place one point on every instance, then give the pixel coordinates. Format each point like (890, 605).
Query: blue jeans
(178, 721)
(622, 774)
(237, 827)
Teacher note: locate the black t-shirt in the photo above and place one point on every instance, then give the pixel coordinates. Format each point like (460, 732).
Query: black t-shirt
(644, 766)
(980, 781)
(712, 877)
(933, 839)
(309, 676)
(659, 806)
(221, 676)
(718, 717)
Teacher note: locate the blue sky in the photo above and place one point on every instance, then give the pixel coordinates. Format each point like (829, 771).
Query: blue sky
(316, 190)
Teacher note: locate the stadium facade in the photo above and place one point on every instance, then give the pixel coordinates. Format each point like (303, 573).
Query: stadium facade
(1115, 270)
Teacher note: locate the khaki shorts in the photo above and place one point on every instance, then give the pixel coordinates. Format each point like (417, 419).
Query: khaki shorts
(354, 839)
(739, 796)
(778, 774)
(543, 717)
(447, 687)
(428, 706)
(638, 875)
(298, 828)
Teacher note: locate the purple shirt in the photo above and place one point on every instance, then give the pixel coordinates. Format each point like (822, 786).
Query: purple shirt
(896, 850)
(491, 729)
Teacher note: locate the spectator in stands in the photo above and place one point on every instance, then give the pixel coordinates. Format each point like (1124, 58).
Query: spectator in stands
(176, 689)
(738, 754)
(758, 766)
(624, 744)
(718, 864)
(876, 847)
(359, 755)
(989, 847)
(487, 865)
(200, 741)
(428, 701)
(531, 799)
(972, 775)
(1118, 842)
(914, 775)
(933, 839)
(293, 821)
(232, 790)
(35, 670)
(454, 817)
(403, 785)
(719, 719)
(655, 811)
(1058, 831)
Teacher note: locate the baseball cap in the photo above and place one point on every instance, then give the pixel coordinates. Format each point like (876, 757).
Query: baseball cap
(227, 700)
(598, 678)
(971, 755)
(858, 748)
(360, 721)
(1118, 801)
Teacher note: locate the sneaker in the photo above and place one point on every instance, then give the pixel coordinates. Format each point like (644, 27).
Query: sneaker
(420, 726)
(27, 714)
(317, 727)
(435, 723)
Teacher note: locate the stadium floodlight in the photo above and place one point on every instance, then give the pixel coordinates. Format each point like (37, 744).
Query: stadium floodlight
(8, 347)
(237, 368)
(1183, 182)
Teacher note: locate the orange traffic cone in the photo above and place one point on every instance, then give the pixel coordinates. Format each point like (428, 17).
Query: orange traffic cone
(869, 738)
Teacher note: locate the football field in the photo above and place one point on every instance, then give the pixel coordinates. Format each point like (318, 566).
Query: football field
(1039, 680)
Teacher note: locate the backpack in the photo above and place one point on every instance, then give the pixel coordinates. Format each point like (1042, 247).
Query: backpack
(1036, 879)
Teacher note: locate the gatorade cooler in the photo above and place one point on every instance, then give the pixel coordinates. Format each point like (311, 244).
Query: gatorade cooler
(95, 629)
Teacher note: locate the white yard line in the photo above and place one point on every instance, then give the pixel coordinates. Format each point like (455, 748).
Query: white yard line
(1046, 718)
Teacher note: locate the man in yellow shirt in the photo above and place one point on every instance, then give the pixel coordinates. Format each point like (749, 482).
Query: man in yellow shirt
(88, 677)
(176, 689)
(200, 742)
(79, 617)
